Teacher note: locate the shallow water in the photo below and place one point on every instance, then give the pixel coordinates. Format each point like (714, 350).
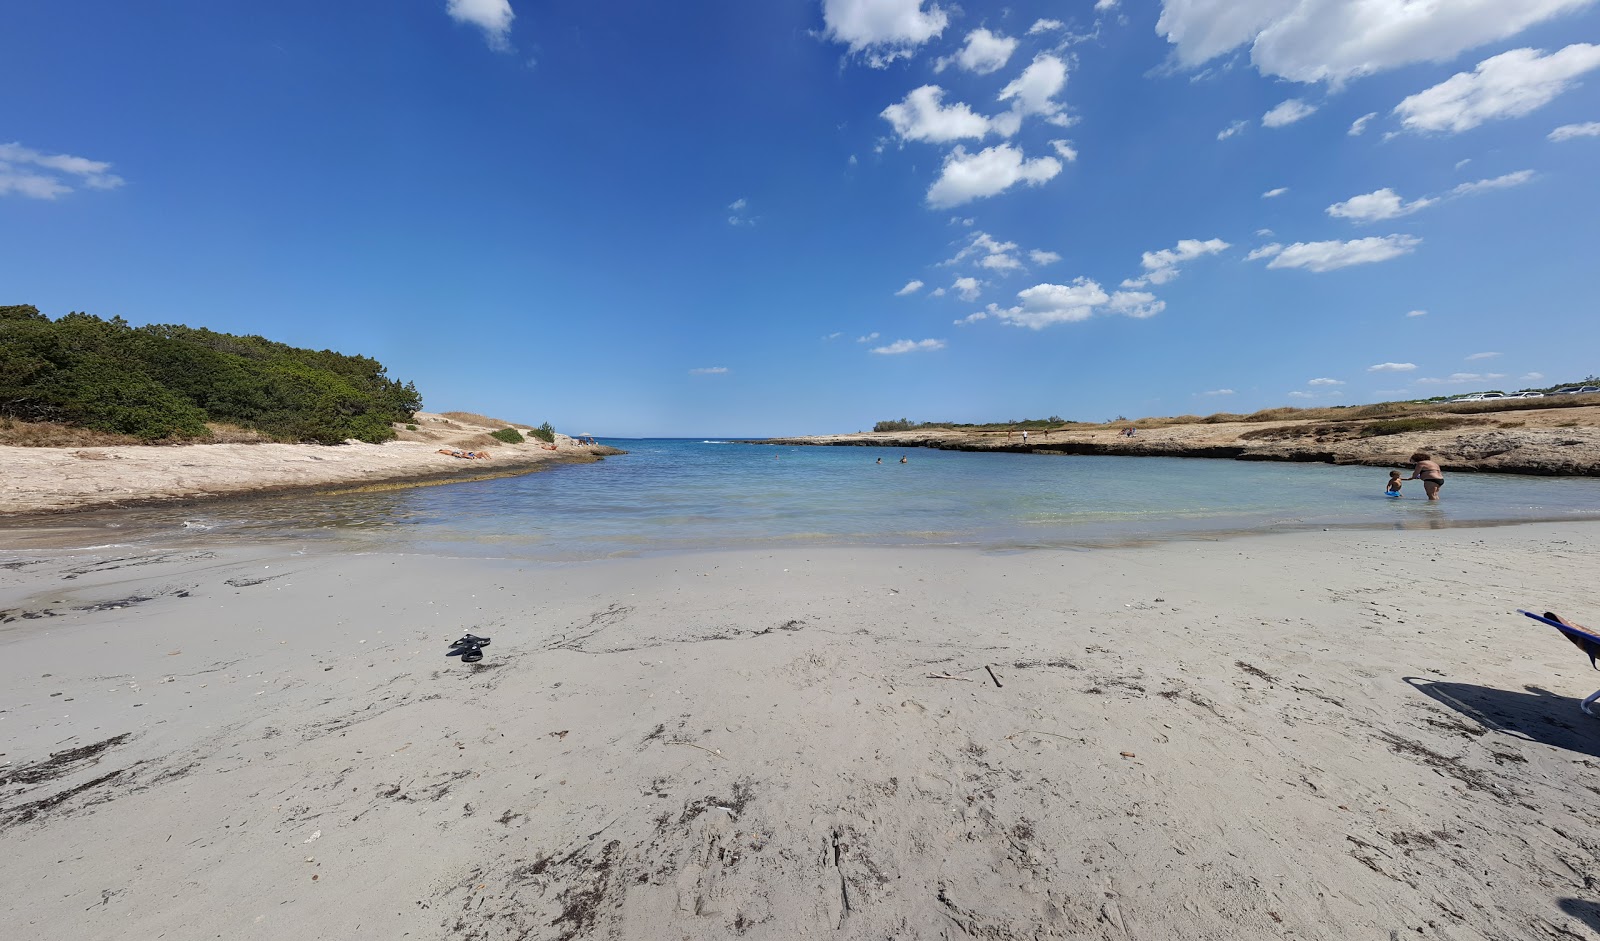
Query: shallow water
(667, 495)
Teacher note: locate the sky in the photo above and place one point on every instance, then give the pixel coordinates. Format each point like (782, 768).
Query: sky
(728, 218)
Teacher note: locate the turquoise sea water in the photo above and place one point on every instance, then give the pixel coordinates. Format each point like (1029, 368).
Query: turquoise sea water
(669, 495)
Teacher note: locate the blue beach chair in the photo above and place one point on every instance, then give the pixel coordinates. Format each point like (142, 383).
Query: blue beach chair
(1581, 638)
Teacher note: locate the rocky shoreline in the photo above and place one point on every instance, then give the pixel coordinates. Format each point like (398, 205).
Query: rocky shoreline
(1545, 442)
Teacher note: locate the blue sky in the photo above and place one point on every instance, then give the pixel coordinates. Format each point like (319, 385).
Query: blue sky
(637, 218)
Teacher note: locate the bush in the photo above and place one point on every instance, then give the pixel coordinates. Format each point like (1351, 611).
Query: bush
(411, 427)
(163, 381)
(1400, 426)
(545, 433)
(508, 435)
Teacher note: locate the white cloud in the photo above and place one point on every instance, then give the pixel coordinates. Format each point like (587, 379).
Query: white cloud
(1359, 125)
(882, 30)
(993, 170)
(492, 16)
(1105, 6)
(1265, 233)
(1326, 382)
(1496, 183)
(1045, 26)
(868, 338)
(923, 116)
(739, 204)
(1162, 266)
(1461, 378)
(1532, 377)
(971, 318)
(28, 172)
(1570, 131)
(1392, 367)
(936, 292)
(908, 346)
(739, 215)
(1336, 40)
(911, 287)
(708, 371)
(1287, 112)
(1065, 150)
(1328, 256)
(983, 53)
(1232, 129)
(1136, 304)
(1275, 193)
(1033, 92)
(1218, 392)
(1463, 162)
(832, 336)
(990, 252)
(1377, 206)
(1265, 251)
(1474, 356)
(1039, 257)
(1416, 313)
(1302, 395)
(967, 288)
(1046, 304)
(1508, 85)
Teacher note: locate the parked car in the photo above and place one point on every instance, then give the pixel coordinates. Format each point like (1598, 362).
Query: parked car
(1577, 390)
(1528, 395)
(1474, 397)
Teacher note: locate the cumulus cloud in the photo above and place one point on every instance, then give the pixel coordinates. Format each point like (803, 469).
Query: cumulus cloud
(967, 288)
(983, 53)
(1065, 150)
(1033, 93)
(492, 16)
(832, 336)
(1474, 356)
(1287, 112)
(1336, 40)
(1232, 129)
(1045, 26)
(971, 318)
(1496, 183)
(738, 212)
(1046, 304)
(1359, 125)
(990, 252)
(1392, 367)
(708, 371)
(1265, 251)
(1328, 256)
(908, 346)
(1162, 266)
(1416, 313)
(1326, 382)
(882, 31)
(990, 171)
(28, 172)
(923, 116)
(1377, 206)
(1218, 392)
(1275, 193)
(911, 287)
(1570, 131)
(1039, 257)
(868, 338)
(1508, 85)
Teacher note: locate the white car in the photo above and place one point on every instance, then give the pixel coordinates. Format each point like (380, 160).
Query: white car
(1474, 397)
(1528, 395)
(1578, 390)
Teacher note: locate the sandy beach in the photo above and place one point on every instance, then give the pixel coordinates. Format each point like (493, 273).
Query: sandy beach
(62, 479)
(1344, 734)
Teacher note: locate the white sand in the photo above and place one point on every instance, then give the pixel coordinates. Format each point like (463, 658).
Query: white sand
(1229, 740)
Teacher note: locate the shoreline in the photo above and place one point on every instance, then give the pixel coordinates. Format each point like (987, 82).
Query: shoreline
(1548, 442)
(44, 482)
(1348, 729)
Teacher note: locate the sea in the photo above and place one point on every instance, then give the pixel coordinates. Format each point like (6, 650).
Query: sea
(675, 495)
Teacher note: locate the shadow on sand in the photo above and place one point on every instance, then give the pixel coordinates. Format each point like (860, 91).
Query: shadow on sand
(1532, 714)
(1586, 912)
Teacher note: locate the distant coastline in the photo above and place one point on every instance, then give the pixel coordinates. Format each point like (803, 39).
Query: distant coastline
(1542, 440)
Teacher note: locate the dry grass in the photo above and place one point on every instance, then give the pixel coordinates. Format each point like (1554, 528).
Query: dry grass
(223, 433)
(473, 418)
(23, 434)
(1378, 410)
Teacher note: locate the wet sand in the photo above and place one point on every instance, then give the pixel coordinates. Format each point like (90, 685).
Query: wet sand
(1313, 735)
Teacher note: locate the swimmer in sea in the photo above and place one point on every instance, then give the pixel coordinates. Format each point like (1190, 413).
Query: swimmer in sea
(902, 459)
(1394, 485)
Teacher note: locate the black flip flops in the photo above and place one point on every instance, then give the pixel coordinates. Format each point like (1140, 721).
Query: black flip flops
(469, 648)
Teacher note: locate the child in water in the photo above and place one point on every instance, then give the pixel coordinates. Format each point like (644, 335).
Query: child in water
(1394, 485)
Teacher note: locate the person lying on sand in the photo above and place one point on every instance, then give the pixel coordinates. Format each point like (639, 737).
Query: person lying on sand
(466, 455)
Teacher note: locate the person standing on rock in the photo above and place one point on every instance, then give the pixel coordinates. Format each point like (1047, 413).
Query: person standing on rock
(1425, 469)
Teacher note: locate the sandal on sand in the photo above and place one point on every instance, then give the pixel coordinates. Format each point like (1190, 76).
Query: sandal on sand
(471, 640)
(471, 654)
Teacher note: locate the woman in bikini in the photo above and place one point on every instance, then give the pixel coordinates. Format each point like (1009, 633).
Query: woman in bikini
(1425, 469)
